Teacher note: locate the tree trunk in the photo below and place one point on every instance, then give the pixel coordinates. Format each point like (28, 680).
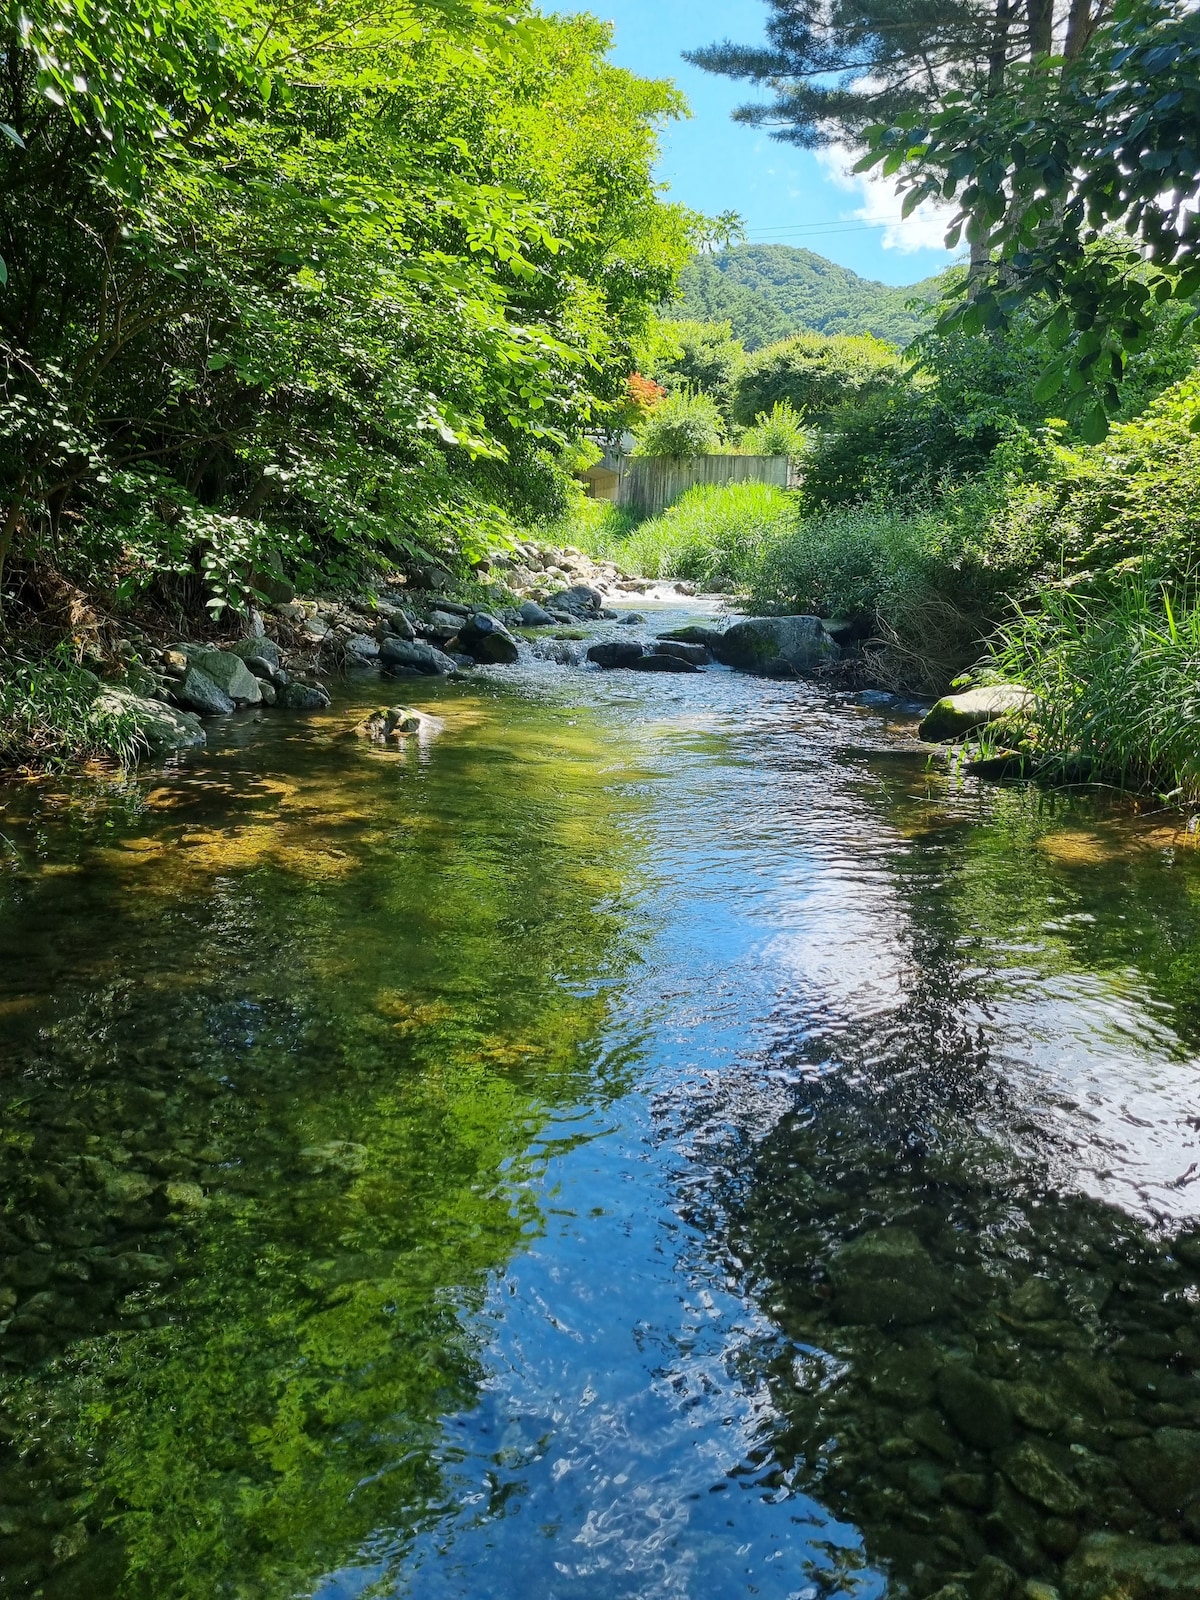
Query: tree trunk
(1041, 27)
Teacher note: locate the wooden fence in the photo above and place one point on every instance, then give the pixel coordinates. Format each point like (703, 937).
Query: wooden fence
(649, 484)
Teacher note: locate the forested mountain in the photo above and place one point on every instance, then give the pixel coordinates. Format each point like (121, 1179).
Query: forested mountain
(768, 291)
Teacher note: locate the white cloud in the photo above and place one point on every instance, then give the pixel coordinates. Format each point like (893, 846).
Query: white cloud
(925, 229)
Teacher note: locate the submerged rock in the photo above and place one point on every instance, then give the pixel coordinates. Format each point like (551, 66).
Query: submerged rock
(1030, 1470)
(162, 727)
(695, 633)
(765, 644)
(1109, 1566)
(957, 714)
(976, 1406)
(1164, 1470)
(611, 653)
(887, 1276)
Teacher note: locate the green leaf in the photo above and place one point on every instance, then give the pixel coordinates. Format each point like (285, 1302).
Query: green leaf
(1093, 429)
(10, 133)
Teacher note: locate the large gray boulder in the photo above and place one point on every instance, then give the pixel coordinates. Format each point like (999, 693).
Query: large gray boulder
(230, 673)
(414, 655)
(485, 639)
(532, 615)
(616, 653)
(162, 728)
(1109, 1566)
(957, 714)
(580, 600)
(697, 654)
(262, 649)
(202, 694)
(774, 645)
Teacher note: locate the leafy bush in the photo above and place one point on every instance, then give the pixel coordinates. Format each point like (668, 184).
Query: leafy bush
(815, 374)
(1116, 681)
(683, 424)
(1130, 504)
(776, 433)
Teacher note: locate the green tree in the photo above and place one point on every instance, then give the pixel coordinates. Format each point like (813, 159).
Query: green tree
(277, 278)
(815, 375)
(684, 424)
(700, 355)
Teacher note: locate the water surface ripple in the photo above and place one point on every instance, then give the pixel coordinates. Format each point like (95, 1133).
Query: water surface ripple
(657, 1139)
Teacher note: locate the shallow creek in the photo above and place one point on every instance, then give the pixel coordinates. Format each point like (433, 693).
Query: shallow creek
(656, 1138)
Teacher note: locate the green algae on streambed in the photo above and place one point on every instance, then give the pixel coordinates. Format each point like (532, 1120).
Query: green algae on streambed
(647, 1141)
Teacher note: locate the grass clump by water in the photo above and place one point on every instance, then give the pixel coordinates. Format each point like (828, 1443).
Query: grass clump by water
(714, 535)
(1116, 678)
(50, 717)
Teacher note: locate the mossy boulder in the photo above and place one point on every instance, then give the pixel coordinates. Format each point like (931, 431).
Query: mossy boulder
(766, 645)
(958, 714)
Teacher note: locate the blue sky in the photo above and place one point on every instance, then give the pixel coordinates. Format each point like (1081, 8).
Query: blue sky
(785, 195)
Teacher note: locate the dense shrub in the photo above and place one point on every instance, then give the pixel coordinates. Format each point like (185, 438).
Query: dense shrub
(1129, 504)
(683, 424)
(700, 356)
(778, 432)
(815, 374)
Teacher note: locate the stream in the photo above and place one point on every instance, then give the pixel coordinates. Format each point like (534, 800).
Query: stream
(657, 1137)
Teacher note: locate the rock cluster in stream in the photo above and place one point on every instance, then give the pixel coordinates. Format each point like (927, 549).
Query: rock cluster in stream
(415, 629)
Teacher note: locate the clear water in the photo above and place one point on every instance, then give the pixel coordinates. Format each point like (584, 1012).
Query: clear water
(654, 1139)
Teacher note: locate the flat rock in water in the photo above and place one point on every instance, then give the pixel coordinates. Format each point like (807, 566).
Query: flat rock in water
(162, 727)
(693, 633)
(1109, 1566)
(414, 655)
(697, 654)
(631, 619)
(957, 714)
(662, 663)
(230, 673)
(198, 692)
(611, 653)
(772, 645)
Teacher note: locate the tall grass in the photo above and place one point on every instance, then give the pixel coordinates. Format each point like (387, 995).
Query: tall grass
(1117, 682)
(49, 717)
(715, 534)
